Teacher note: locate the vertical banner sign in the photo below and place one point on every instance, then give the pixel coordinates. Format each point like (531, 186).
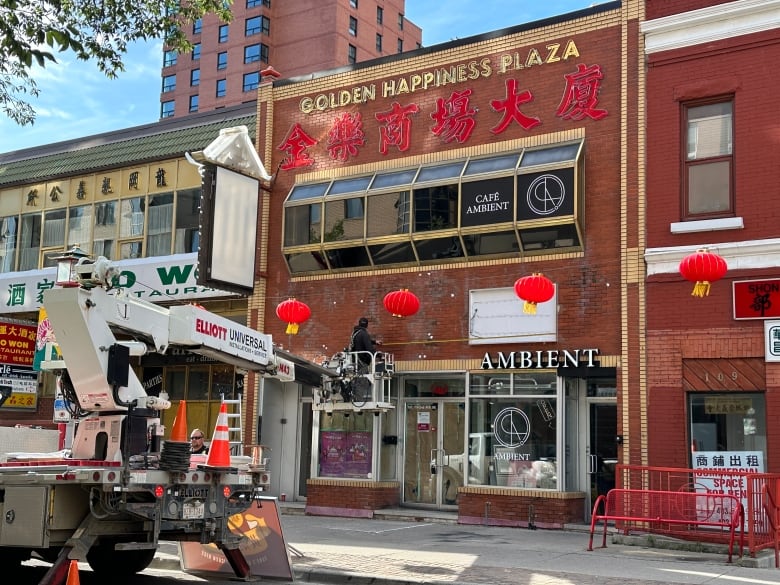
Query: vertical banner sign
(17, 350)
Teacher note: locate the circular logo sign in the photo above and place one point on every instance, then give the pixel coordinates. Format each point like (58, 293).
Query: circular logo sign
(546, 194)
(511, 427)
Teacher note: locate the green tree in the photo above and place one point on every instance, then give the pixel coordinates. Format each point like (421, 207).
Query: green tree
(32, 31)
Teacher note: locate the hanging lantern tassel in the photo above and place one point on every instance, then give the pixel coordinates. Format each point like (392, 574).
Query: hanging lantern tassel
(533, 290)
(703, 267)
(401, 303)
(294, 312)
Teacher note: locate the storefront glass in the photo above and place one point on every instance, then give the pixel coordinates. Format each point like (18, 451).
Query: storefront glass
(732, 423)
(513, 430)
(346, 445)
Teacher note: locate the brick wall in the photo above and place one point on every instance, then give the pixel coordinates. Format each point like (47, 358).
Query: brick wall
(337, 497)
(526, 508)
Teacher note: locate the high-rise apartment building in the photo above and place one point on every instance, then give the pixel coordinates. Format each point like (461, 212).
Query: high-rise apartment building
(296, 37)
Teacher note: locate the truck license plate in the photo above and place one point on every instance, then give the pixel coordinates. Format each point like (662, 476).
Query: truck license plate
(193, 511)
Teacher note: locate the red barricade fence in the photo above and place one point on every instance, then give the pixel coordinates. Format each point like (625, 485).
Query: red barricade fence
(758, 492)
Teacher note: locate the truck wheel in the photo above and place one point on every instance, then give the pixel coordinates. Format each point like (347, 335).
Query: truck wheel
(104, 560)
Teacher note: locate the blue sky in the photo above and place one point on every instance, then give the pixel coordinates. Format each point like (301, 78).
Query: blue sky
(76, 100)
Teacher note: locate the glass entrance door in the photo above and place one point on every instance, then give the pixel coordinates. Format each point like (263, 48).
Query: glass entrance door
(602, 447)
(433, 458)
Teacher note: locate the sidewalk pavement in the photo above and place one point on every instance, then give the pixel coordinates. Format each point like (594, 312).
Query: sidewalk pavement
(413, 547)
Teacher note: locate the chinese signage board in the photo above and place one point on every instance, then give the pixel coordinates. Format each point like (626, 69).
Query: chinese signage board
(772, 341)
(153, 279)
(17, 349)
(757, 299)
(720, 472)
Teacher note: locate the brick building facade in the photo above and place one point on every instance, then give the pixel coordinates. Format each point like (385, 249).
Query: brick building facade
(294, 36)
(712, 371)
(453, 172)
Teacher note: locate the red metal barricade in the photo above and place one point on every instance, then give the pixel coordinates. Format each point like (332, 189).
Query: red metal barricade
(759, 494)
(678, 513)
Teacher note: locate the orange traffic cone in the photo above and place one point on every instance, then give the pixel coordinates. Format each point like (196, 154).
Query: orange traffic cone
(73, 573)
(179, 430)
(219, 450)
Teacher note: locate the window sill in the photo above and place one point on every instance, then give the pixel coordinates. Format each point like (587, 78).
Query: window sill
(707, 225)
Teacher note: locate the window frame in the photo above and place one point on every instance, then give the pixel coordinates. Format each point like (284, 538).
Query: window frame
(194, 77)
(353, 26)
(196, 52)
(167, 109)
(378, 43)
(168, 83)
(194, 101)
(263, 26)
(222, 63)
(687, 164)
(221, 83)
(351, 54)
(224, 33)
(380, 15)
(250, 86)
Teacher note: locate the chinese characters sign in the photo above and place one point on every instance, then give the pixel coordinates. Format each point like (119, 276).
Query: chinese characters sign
(454, 116)
(17, 348)
(757, 299)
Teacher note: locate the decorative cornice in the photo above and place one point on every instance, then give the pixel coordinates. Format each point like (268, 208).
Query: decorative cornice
(710, 24)
(745, 255)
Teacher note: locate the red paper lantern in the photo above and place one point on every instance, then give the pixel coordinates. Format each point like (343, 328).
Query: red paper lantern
(294, 312)
(703, 267)
(534, 289)
(401, 303)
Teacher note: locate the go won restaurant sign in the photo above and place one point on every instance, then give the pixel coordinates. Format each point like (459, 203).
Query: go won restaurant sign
(165, 278)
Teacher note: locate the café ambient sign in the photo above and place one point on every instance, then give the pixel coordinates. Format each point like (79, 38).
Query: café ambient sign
(540, 359)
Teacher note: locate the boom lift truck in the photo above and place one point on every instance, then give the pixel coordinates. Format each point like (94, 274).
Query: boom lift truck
(123, 488)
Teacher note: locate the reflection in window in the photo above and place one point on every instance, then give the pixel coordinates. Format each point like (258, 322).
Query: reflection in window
(187, 218)
(343, 220)
(79, 225)
(131, 217)
(54, 228)
(302, 225)
(175, 383)
(103, 237)
(729, 421)
(439, 248)
(131, 250)
(435, 208)
(546, 238)
(351, 257)
(388, 214)
(512, 442)
(392, 253)
(160, 225)
(8, 226)
(486, 244)
(306, 262)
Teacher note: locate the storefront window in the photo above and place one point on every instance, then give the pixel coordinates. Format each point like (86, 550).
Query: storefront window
(733, 423)
(513, 438)
(346, 445)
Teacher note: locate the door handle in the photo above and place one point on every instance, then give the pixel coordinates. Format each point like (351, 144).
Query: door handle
(592, 463)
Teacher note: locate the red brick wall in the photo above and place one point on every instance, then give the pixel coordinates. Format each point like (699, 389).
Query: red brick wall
(351, 494)
(733, 66)
(668, 439)
(588, 288)
(659, 8)
(478, 506)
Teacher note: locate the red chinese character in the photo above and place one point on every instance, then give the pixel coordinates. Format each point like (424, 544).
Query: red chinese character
(454, 117)
(396, 131)
(346, 136)
(511, 108)
(295, 146)
(582, 94)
